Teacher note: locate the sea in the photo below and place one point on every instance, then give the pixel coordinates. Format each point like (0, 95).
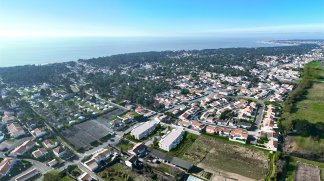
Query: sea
(39, 51)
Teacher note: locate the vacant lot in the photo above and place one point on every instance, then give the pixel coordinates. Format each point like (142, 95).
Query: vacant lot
(301, 168)
(216, 154)
(305, 172)
(81, 135)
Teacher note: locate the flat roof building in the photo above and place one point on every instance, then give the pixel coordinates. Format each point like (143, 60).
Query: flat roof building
(172, 139)
(144, 129)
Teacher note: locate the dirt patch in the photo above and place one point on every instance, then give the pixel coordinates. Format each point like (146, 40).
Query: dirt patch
(216, 155)
(306, 172)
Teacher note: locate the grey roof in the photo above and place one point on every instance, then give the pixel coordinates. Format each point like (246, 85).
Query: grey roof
(171, 136)
(143, 127)
(174, 160)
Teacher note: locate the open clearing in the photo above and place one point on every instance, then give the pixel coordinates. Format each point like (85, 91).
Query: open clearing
(81, 135)
(215, 154)
(312, 110)
(305, 172)
(312, 107)
(309, 107)
(301, 168)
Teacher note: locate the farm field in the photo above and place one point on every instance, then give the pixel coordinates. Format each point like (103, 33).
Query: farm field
(212, 153)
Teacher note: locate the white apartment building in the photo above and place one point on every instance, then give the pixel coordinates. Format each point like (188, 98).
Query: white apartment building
(172, 139)
(144, 129)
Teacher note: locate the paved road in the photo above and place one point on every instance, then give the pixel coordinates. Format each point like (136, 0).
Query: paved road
(42, 167)
(259, 115)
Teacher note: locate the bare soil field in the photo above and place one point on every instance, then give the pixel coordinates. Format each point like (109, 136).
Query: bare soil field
(216, 154)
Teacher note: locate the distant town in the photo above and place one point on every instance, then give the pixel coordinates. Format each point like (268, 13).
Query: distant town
(173, 115)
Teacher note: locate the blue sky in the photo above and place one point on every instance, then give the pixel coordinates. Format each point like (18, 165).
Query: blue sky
(159, 18)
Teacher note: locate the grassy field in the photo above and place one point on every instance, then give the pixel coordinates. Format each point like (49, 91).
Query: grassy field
(310, 107)
(306, 145)
(181, 149)
(213, 153)
(124, 145)
(292, 166)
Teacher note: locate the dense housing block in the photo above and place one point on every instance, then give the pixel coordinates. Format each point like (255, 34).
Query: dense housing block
(144, 129)
(172, 139)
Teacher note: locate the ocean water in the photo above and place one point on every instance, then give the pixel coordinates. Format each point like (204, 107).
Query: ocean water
(42, 51)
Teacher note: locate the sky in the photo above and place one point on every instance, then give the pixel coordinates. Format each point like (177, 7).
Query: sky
(123, 18)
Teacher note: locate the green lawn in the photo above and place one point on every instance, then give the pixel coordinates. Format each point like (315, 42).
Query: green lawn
(307, 144)
(188, 140)
(124, 145)
(311, 108)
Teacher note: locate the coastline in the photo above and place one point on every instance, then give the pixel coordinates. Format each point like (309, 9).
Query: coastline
(74, 50)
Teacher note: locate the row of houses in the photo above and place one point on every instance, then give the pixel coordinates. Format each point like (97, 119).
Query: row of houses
(237, 134)
(98, 157)
(269, 127)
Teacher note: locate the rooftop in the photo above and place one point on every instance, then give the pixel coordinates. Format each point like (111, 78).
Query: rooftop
(143, 127)
(171, 136)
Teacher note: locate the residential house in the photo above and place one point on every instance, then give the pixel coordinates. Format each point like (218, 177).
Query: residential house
(23, 148)
(197, 125)
(185, 124)
(183, 164)
(28, 175)
(15, 130)
(59, 151)
(49, 144)
(171, 139)
(139, 149)
(238, 135)
(132, 161)
(144, 129)
(86, 177)
(52, 163)
(38, 133)
(40, 152)
(6, 165)
(94, 162)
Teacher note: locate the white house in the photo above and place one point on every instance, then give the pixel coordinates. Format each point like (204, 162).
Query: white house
(144, 129)
(38, 133)
(172, 139)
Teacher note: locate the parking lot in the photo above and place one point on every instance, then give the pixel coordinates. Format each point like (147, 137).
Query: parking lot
(108, 117)
(81, 135)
